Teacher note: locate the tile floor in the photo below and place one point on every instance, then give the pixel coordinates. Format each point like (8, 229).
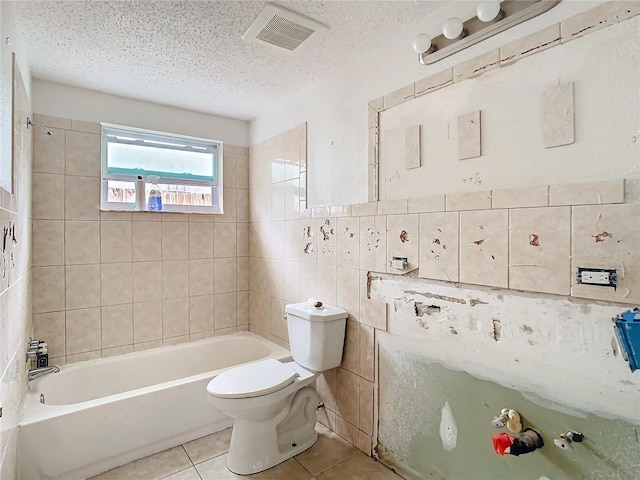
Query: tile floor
(331, 458)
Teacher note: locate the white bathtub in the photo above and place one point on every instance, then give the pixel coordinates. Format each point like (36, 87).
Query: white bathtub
(104, 413)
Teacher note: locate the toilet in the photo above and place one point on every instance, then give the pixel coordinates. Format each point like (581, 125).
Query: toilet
(273, 403)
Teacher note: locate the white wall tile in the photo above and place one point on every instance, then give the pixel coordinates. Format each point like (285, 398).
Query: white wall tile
(439, 242)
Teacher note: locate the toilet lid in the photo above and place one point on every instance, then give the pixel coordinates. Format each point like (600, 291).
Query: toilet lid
(252, 380)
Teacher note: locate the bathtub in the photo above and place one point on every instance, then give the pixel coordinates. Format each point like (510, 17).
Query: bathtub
(104, 413)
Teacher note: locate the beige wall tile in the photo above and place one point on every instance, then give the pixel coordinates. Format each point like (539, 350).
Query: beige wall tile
(201, 276)
(367, 352)
(374, 313)
(540, 249)
(348, 242)
(175, 318)
(537, 42)
(173, 216)
(392, 207)
(351, 353)
(147, 281)
(175, 240)
(83, 331)
(558, 115)
(147, 241)
(291, 281)
(364, 443)
(373, 243)
(434, 82)
(177, 340)
(224, 240)
(201, 314)
(340, 211)
(175, 279)
(48, 151)
(348, 401)
(51, 121)
(412, 147)
(82, 198)
(327, 284)
(402, 239)
(308, 282)
(366, 407)
(536, 196)
(88, 127)
(326, 234)
(439, 241)
(116, 282)
(484, 248)
(242, 239)
(194, 337)
(229, 206)
(399, 96)
(468, 201)
(200, 240)
(350, 433)
(587, 193)
(112, 216)
(48, 196)
(277, 201)
(242, 309)
(48, 243)
(291, 199)
(433, 203)
(82, 286)
(242, 205)
(139, 347)
(48, 289)
(114, 351)
(51, 328)
(327, 388)
(596, 18)
(309, 241)
(147, 322)
(348, 292)
(469, 138)
(242, 273)
(82, 242)
(117, 325)
(83, 357)
(82, 154)
(364, 209)
(242, 171)
(229, 171)
(279, 327)
(225, 310)
(607, 236)
(116, 242)
(476, 66)
(224, 271)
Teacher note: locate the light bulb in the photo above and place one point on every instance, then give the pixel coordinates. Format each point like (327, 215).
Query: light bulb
(487, 11)
(421, 43)
(452, 28)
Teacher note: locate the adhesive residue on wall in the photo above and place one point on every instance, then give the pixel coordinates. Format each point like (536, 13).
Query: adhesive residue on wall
(448, 428)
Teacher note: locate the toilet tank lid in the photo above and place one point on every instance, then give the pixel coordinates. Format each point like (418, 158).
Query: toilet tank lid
(309, 311)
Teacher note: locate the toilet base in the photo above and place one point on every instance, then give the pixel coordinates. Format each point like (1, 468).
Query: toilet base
(258, 446)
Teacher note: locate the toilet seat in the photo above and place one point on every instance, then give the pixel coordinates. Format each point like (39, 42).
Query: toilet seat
(252, 380)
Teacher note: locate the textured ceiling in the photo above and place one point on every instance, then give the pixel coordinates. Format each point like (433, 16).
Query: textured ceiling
(190, 54)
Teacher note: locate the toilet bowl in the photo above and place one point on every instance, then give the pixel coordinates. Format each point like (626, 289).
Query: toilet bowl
(274, 412)
(273, 403)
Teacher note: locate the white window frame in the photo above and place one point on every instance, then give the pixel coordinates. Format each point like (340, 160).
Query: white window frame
(216, 186)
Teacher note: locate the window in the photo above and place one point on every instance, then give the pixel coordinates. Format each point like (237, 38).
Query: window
(188, 169)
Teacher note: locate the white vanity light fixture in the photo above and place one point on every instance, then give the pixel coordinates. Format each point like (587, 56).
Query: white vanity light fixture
(492, 17)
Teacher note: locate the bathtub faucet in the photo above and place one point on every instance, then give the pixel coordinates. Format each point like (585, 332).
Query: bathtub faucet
(41, 372)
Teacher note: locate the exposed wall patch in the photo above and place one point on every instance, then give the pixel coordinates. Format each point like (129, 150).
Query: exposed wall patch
(448, 428)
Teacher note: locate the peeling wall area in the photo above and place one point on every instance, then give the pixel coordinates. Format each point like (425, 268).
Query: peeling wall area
(561, 350)
(416, 433)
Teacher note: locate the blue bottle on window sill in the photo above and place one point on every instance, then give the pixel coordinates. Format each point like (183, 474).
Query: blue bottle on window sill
(155, 196)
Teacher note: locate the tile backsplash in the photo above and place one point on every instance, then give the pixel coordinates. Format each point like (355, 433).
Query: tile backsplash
(106, 283)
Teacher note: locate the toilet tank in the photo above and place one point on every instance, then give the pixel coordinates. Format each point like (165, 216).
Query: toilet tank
(316, 334)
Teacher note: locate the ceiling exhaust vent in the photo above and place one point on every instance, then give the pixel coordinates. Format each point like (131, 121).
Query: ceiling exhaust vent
(284, 29)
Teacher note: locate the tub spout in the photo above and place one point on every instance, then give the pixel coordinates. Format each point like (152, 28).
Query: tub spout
(40, 372)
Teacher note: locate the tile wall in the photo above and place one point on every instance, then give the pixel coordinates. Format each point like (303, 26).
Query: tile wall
(106, 283)
(15, 283)
(524, 239)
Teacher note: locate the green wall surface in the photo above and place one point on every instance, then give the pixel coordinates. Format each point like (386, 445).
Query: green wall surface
(414, 390)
